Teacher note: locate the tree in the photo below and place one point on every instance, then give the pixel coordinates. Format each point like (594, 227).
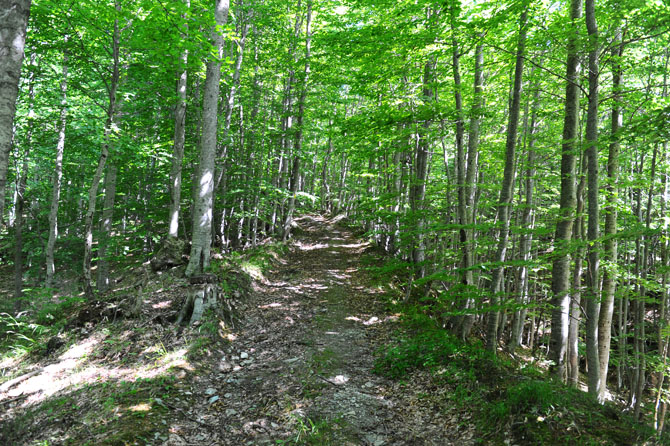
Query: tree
(560, 283)
(202, 215)
(13, 24)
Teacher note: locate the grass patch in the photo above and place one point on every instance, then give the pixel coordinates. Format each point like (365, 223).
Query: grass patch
(310, 432)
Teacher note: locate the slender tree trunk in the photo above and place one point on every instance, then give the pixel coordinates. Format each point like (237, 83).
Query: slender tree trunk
(202, 212)
(179, 138)
(507, 189)
(104, 153)
(467, 173)
(560, 282)
(295, 177)
(21, 190)
(13, 25)
(610, 241)
(418, 183)
(106, 227)
(576, 295)
(592, 271)
(58, 178)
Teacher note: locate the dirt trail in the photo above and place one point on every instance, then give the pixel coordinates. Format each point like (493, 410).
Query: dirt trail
(300, 371)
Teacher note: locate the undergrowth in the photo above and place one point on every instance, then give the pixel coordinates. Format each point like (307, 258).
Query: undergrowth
(510, 401)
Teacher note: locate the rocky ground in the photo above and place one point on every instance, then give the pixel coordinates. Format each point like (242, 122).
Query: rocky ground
(296, 369)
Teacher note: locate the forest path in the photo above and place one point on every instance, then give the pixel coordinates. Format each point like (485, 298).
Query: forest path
(300, 370)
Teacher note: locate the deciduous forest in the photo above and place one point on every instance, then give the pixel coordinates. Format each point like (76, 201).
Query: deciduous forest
(334, 222)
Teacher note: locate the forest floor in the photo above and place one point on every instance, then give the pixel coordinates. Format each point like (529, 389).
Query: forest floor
(296, 369)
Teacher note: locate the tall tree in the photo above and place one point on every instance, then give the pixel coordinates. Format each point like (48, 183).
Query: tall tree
(57, 176)
(507, 189)
(179, 139)
(610, 241)
(112, 105)
(202, 211)
(13, 24)
(560, 281)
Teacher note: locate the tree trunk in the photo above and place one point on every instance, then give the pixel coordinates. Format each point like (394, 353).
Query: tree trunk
(106, 227)
(57, 179)
(507, 189)
(21, 190)
(610, 242)
(179, 138)
(297, 147)
(13, 25)
(576, 295)
(104, 153)
(202, 212)
(418, 183)
(592, 271)
(560, 281)
(527, 220)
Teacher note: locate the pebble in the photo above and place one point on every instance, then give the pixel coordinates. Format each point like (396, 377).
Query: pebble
(244, 355)
(210, 391)
(225, 367)
(227, 395)
(213, 399)
(230, 412)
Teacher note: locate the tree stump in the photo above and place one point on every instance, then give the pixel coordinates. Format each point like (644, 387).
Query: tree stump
(202, 297)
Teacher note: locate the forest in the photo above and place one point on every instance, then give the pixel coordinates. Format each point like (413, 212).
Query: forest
(503, 164)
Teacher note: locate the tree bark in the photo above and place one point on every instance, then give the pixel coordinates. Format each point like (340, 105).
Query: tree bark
(560, 283)
(179, 138)
(507, 189)
(572, 351)
(202, 212)
(58, 178)
(106, 227)
(593, 235)
(13, 23)
(610, 241)
(295, 176)
(21, 190)
(102, 160)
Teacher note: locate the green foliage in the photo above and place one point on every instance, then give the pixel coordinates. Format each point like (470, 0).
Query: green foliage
(430, 347)
(308, 432)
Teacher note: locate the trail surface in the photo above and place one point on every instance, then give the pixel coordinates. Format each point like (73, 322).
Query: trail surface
(297, 369)
(300, 371)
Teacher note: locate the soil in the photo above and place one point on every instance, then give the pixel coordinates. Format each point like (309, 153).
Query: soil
(297, 369)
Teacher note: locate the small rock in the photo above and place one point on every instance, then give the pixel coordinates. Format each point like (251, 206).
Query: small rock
(227, 395)
(274, 425)
(290, 360)
(225, 367)
(368, 385)
(213, 399)
(210, 391)
(235, 358)
(230, 412)
(247, 362)
(244, 355)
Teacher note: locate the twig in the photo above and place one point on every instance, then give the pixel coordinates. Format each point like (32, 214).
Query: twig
(20, 397)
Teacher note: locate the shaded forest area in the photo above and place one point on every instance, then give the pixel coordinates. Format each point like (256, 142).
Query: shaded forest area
(509, 158)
